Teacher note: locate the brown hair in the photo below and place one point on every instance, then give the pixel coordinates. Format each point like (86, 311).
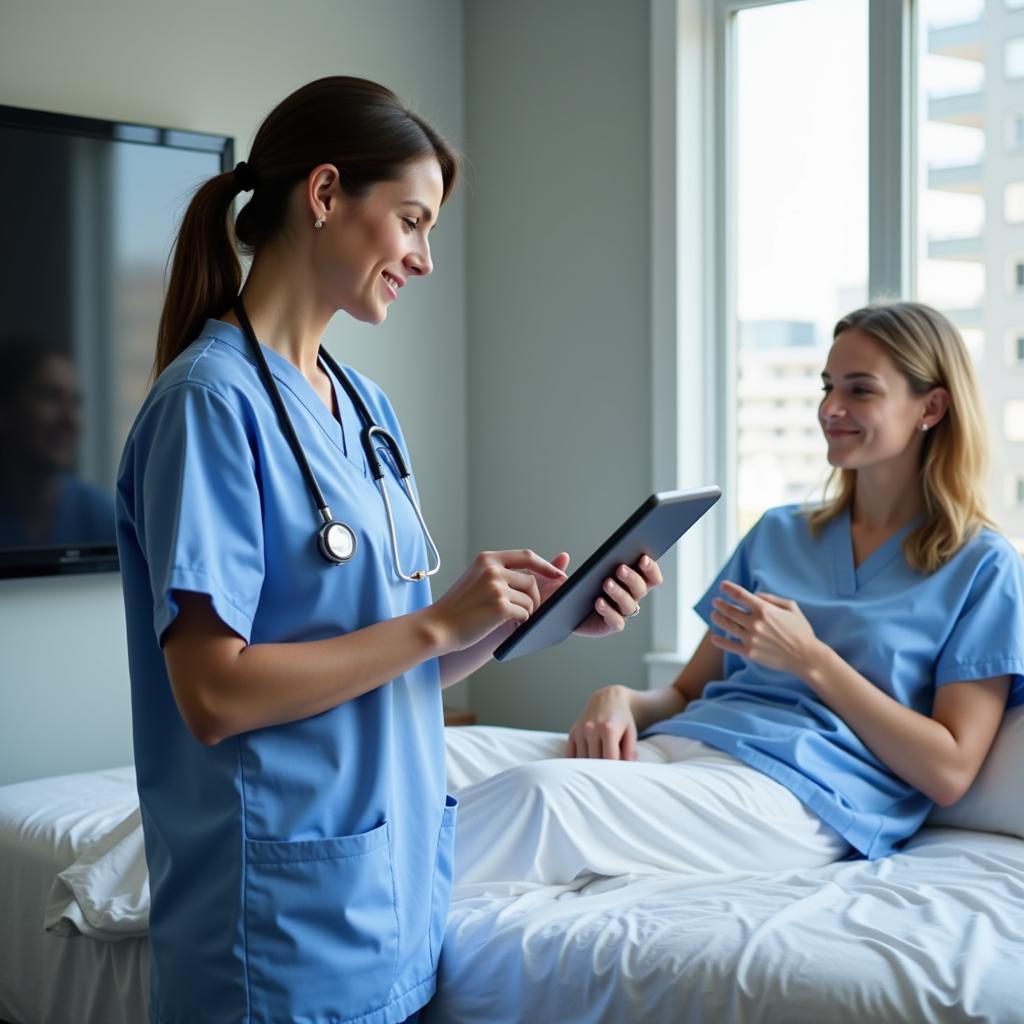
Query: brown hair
(357, 125)
(928, 350)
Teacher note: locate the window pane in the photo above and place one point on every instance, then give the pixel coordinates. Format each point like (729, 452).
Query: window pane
(1015, 131)
(1013, 202)
(1015, 58)
(800, 167)
(1013, 420)
(969, 139)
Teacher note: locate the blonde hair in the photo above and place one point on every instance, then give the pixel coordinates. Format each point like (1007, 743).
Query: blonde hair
(928, 350)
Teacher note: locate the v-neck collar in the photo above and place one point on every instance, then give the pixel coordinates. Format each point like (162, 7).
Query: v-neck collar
(850, 577)
(288, 374)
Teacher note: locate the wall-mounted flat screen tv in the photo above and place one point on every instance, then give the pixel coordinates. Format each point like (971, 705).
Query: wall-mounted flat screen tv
(88, 214)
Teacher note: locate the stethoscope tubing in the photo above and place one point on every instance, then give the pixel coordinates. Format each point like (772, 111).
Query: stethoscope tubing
(370, 431)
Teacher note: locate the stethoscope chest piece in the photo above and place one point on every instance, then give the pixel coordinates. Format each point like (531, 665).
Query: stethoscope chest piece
(336, 541)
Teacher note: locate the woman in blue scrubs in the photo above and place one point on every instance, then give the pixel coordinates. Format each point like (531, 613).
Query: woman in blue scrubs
(286, 657)
(859, 661)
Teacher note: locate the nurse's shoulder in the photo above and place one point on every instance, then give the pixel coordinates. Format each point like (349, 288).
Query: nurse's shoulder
(211, 365)
(216, 360)
(206, 391)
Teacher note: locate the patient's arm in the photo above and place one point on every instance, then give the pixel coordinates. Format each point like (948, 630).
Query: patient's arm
(614, 715)
(939, 755)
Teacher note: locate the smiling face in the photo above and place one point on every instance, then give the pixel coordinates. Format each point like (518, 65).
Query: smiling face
(869, 413)
(368, 248)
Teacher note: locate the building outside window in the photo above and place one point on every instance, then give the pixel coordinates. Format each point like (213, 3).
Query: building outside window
(960, 48)
(800, 257)
(1013, 420)
(797, 161)
(1015, 131)
(1015, 58)
(1013, 202)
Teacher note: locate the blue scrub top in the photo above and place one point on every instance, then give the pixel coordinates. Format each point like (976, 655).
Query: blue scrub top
(905, 631)
(301, 872)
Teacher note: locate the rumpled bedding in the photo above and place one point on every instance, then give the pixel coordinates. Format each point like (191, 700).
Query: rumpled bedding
(933, 935)
(45, 825)
(105, 892)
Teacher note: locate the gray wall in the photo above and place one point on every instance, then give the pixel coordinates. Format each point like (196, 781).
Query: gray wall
(220, 67)
(539, 309)
(558, 310)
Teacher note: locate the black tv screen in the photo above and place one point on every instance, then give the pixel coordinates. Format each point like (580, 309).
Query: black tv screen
(88, 214)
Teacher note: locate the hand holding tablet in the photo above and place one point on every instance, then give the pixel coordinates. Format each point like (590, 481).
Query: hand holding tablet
(651, 530)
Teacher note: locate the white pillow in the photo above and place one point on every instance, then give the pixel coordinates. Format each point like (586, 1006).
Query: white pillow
(995, 802)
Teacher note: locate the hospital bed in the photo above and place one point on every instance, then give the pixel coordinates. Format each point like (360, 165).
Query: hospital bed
(932, 934)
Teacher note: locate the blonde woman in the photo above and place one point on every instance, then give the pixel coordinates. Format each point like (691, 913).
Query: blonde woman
(859, 661)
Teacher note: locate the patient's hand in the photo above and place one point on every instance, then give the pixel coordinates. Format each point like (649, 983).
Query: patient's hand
(764, 628)
(606, 729)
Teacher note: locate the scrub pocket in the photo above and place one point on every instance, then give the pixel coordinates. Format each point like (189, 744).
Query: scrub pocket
(321, 930)
(443, 870)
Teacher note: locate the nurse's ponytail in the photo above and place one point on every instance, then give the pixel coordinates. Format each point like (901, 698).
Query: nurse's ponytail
(205, 275)
(359, 126)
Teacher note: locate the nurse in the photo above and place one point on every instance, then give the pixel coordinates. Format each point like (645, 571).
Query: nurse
(859, 661)
(286, 658)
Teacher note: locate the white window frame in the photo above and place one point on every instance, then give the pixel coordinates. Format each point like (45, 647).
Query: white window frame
(693, 291)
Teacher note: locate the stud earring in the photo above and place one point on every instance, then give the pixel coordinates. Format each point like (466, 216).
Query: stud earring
(924, 426)
(318, 223)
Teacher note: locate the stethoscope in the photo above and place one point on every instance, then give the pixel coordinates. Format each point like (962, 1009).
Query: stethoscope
(335, 539)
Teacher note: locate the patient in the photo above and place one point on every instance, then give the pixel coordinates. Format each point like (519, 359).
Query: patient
(860, 657)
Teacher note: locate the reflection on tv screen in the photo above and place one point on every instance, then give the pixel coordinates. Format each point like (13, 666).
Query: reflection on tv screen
(44, 501)
(88, 214)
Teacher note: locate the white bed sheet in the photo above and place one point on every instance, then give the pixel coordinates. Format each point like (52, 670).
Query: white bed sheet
(44, 978)
(934, 935)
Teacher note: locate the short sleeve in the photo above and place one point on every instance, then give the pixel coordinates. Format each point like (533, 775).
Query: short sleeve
(736, 569)
(198, 510)
(988, 637)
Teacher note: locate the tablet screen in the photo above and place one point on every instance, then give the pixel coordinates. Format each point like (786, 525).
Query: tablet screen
(651, 530)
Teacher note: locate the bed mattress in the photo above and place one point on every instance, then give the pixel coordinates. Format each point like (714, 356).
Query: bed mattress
(933, 935)
(45, 978)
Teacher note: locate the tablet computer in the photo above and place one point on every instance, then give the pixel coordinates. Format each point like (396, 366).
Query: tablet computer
(651, 530)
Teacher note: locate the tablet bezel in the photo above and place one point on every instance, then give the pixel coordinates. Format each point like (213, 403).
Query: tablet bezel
(506, 650)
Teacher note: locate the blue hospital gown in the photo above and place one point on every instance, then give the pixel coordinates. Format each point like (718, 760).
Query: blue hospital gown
(300, 872)
(905, 631)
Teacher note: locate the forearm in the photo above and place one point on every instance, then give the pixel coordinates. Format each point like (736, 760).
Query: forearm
(457, 665)
(269, 684)
(917, 748)
(650, 706)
